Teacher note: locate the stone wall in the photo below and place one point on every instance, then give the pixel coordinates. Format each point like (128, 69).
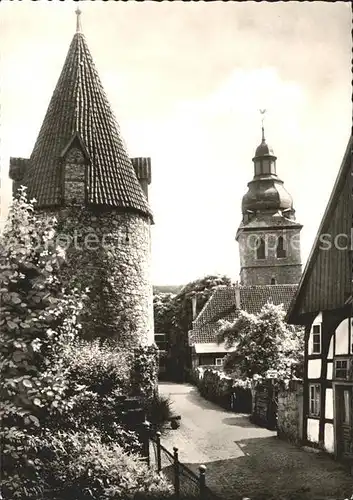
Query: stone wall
(286, 270)
(290, 412)
(286, 275)
(109, 252)
(264, 403)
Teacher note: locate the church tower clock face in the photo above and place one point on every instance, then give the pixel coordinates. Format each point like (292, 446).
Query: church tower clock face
(268, 235)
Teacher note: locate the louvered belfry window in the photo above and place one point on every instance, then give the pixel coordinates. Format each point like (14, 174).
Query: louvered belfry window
(261, 249)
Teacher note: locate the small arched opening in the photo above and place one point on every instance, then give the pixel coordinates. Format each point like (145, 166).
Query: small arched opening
(280, 250)
(260, 249)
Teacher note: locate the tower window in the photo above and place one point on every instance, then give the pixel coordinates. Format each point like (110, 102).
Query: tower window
(260, 249)
(273, 281)
(280, 251)
(258, 167)
(266, 166)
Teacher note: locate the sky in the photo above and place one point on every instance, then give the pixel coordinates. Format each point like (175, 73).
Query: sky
(186, 82)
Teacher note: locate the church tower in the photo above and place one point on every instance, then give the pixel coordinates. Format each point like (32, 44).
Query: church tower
(80, 172)
(268, 235)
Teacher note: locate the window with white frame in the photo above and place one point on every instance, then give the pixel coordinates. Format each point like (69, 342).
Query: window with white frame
(219, 361)
(316, 339)
(314, 400)
(342, 369)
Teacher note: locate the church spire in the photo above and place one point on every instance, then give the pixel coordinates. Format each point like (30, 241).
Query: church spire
(264, 159)
(263, 111)
(78, 20)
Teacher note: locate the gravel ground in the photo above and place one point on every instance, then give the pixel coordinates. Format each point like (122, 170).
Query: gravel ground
(244, 460)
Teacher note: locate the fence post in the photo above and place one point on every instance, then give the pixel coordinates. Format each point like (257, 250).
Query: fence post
(146, 441)
(159, 459)
(176, 473)
(202, 481)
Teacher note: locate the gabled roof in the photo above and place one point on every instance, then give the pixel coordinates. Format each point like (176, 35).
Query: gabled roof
(79, 109)
(342, 184)
(227, 301)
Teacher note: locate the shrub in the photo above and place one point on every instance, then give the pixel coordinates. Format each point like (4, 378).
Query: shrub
(144, 376)
(159, 412)
(101, 366)
(79, 466)
(97, 377)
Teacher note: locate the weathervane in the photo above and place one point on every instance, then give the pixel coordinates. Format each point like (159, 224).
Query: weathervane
(78, 21)
(263, 111)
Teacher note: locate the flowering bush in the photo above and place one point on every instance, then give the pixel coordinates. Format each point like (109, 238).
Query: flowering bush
(263, 342)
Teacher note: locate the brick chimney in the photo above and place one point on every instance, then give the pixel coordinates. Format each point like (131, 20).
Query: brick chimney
(142, 168)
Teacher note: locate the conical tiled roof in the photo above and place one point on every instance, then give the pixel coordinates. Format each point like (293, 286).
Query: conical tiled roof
(79, 107)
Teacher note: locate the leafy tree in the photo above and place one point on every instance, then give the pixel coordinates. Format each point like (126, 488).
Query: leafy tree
(263, 342)
(163, 308)
(181, 317)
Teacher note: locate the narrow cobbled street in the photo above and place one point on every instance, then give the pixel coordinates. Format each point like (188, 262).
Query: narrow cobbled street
(244, 460)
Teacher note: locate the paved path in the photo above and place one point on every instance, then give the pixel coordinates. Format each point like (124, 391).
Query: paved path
(245, 460)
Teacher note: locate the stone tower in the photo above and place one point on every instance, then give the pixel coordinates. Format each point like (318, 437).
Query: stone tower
(80, 172)
(268, 235)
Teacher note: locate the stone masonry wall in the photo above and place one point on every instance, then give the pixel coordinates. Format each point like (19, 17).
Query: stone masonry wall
(285, 270)
(285, 275)
(290, 412)
(109, 252)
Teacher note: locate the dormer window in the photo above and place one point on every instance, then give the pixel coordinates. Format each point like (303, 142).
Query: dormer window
(261, 249)
(280, 250)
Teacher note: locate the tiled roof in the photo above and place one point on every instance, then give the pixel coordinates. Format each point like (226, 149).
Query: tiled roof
(221, 298)
(79, 108)
(223, 305)
(253, 298)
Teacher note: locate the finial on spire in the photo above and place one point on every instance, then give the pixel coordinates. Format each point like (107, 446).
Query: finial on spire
(78, 20)
(263, 111)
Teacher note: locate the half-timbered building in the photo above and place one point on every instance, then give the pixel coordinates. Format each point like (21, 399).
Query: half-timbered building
(323, 304)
